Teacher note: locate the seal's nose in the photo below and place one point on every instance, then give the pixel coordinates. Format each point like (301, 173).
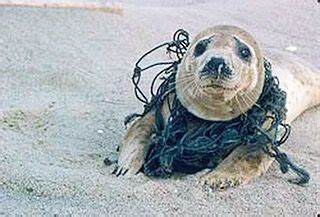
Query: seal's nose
(216, 67)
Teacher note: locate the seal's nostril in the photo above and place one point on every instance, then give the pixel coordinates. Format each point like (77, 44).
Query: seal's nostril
(216, 67)
(227, 71)
(215, 63)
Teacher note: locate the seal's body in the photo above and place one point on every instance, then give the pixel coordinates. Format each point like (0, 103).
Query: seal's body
(220, 77)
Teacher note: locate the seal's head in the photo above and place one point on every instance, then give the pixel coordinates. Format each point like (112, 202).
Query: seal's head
(222, 75)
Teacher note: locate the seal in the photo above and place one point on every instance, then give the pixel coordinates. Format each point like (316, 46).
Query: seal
(221, 77)
(223, 67)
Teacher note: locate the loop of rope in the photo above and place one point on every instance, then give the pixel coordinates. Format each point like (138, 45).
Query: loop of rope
(178, 46)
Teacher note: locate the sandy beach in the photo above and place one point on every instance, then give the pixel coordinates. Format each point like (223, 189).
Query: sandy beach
(65, 88)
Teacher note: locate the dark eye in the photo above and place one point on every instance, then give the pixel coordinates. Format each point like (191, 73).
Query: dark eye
(201, 47)
(242, 50)
(245, 53)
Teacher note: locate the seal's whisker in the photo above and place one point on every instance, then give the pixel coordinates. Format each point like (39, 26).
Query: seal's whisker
(247, 97)
(238, 103)
(250, 96)
(184, 79)
(189, 85)
(188, 75)
(184, 82)
(243, 111)
(194, 88)
(198, 91)
(254, 91)
(201, 91)
(245, 101)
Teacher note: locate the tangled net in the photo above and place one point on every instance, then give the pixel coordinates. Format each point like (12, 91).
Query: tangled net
(174, 148)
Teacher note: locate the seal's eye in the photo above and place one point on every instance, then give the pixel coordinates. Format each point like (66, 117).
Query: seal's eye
(201, 47)
(243, 50)
(245, 53)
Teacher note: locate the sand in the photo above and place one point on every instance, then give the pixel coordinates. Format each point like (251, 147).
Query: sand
(65, 89)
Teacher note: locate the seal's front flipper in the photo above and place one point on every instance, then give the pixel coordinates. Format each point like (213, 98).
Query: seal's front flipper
(135, 145)
(239, 168)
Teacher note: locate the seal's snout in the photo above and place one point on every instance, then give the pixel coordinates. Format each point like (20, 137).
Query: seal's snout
(216, 67)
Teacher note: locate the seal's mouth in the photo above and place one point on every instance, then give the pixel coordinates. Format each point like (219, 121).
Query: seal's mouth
(219, 85)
